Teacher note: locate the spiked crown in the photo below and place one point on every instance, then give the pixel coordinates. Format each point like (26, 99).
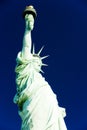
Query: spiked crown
(40, 63)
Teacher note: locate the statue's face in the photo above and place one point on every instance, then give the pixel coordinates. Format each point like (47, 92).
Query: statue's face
(37, 63)
(30, 19)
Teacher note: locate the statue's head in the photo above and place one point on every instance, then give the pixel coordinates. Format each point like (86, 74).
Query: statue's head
(37, 60)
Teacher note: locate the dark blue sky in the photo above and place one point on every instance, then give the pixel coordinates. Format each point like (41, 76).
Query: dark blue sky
(61, 26)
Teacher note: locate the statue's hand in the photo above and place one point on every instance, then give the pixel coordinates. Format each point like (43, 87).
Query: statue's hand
(29, 21)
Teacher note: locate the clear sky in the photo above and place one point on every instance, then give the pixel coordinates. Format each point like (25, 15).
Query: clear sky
(61, 26)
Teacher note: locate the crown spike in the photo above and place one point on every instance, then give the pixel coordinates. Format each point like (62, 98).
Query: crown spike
(44, 57)
(33, 49)
(44, 64)
(40, 50)
(41, 71)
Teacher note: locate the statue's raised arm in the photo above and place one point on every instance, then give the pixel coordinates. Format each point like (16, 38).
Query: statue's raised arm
(29, 15)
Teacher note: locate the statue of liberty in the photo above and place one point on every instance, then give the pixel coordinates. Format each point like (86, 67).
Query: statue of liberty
(37, 103)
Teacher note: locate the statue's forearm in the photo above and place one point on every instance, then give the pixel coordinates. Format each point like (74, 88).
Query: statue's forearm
(26, 48)
(29, 24)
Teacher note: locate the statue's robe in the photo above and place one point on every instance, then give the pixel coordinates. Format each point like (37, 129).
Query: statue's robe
(38, 105)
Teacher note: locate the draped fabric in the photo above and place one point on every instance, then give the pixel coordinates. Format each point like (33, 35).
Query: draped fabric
(38, 105)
